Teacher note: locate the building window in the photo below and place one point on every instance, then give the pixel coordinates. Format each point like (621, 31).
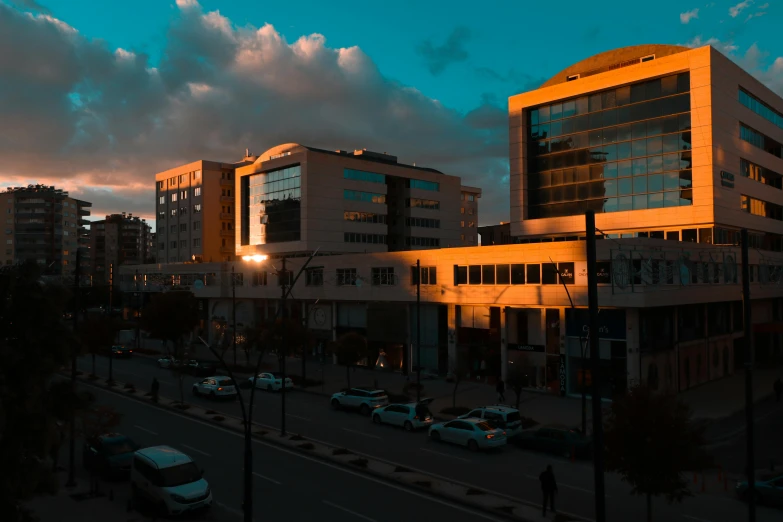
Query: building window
(273, 204)
(422, 241)
(196, 191)
(197, 174)
(758, 207)
(183, 178)
(462, 210)
(367, 197)
(197, 242)
(355, 237)
(183, 211)
(285, 278)
(314, 277)
(197, 225)
(259, 278)
(427, 204)
(471, 224)
(360, 175)
(364, 217)
(470, 211)
(462, 224)
(183, 194)
(422, 222)
(761, 141)
(173, 181)
(162, 215)
(183, 227)
(162, 200)
(173, 244)
(197, 208)
(173, 229)
(161, 246)
(383, 276)
(346, 277)
(760, 174)
(174, 197)
(183, 243)
(173, 211)
(424, 185)
(533, 273)
(760, 108)
(471, 197)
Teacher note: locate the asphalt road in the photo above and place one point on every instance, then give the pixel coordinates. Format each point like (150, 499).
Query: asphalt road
(511, 472)
(287, 485)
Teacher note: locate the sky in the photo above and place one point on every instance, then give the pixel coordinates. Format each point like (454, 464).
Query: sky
(96, 97)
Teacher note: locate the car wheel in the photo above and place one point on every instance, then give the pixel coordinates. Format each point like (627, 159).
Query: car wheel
(408, 426)
(364, 410)
(473, 445)
(335, 404)
(434, 435)
(377, 419)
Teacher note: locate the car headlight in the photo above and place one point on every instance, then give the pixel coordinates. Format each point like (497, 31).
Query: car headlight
(178, 498)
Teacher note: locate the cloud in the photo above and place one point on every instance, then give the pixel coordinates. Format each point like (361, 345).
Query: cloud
(757, 14)
(726, 48)
(453, 50)
(735, 10)
(687, 16)
(101, 122)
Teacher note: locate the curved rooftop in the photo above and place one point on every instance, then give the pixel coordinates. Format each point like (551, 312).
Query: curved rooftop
(614, 59)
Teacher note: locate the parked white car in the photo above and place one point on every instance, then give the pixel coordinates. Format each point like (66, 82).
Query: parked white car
(502, 416)
(476, 434)
(271, 381)
(170, 480)
(217, 387)
(167, 362)
(411, 416)
(363, 399)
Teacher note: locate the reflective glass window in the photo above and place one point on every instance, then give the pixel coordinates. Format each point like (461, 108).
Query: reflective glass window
(569, 108)
(640, 167)
(655, 200)
(543, 114)
(623, 95)
(640, 202)
(654, 164)
(640, 185)
(555, 111)
(625, 203)
(625, 186)
(655, 183)
(582, 105)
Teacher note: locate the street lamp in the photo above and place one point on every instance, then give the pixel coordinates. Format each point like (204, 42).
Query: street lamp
(418, 330)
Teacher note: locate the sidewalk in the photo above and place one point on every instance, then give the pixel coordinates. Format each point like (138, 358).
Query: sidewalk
(724, 397)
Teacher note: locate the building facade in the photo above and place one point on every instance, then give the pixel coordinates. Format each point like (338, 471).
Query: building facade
(196, 211)
(496, 234)
(660, 141)
(119, 239)
(45, 225)
(294, 198)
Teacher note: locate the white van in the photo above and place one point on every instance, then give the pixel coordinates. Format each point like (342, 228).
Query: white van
(170, 480)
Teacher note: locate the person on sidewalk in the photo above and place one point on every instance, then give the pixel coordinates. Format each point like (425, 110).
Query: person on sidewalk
(778, 388)
(501, 389)
(548, 488)
(155, 389)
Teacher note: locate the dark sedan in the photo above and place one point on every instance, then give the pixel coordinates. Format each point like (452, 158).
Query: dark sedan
(109, 455)
(556, 439)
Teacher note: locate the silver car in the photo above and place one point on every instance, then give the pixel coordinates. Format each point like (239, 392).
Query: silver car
(363, 399)
(411, 416)
(476, 434)
(217, 387)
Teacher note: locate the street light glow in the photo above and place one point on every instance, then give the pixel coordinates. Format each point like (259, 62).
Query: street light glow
(257, 258)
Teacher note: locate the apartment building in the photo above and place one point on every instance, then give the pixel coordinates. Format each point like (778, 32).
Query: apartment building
(196, 211)
(295, 198)
(43, 224)
(660, 141)
(119, 239)
(499, 234)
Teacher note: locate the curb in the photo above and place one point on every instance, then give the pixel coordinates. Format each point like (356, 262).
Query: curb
(436, 487)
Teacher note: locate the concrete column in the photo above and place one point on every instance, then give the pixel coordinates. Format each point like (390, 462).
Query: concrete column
(634, 361)
(410, 310)
(452, 335)
(334, 329)
(504, 343)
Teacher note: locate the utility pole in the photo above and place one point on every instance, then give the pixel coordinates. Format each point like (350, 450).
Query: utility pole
(111, 317)
(234, 314)
(305, 345)
(71, 483)
(418, 330)
(138, 310)
(751, 459)
(583, 344)
(598, 428)
(283, 281)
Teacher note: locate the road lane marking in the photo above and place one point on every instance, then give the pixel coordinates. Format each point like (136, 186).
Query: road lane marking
(354, 513)
(259, 475)
(473, 511)
(362, 433)
(142, 428)
(696, 519)
(298, 417)
(445, 455)
(191, 448)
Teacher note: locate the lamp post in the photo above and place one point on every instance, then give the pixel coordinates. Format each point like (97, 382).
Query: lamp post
(418, 330)
(234, 314)
(111, 316)
(72, 442)
(283, 276)
(748, 325)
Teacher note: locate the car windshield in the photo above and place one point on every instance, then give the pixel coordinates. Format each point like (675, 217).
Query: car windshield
(485, 426)
(226, 382)
(513, 416)
(119, 446)
(179, 475)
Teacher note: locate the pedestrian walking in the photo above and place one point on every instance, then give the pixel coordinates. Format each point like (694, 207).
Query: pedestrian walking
(778, 389)
(155, 389)
(501, 389)
(548, 488)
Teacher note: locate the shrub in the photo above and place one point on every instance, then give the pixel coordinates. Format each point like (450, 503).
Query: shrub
(360, 462)
(341, 451)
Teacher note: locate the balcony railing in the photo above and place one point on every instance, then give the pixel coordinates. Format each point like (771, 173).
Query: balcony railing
(227, 199)
(226, 215)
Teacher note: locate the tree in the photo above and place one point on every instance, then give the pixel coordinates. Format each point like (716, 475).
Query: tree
(34, 344)
(652, 442)
(457, 372)
(351, 348)
(97, 334)
(169, 317)
(273, 332)
(517, 380)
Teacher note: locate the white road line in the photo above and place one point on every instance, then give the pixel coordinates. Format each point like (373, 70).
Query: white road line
(191, 448)
(445, 455)
(354, 513)
(696, 519)
(362, 433)
(142, 428)
(298, 417)
(259, 475)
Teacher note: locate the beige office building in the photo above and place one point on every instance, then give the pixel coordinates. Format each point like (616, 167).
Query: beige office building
(661, 141)
(294, 198)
